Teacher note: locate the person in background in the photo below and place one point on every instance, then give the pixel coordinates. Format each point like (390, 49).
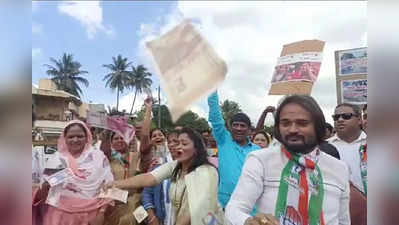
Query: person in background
(261, 120)
(364, 124)
(124, 164)
(351, 143)
(327, 147)
(330, 131)
(194, 181)
(233, 146)
(261, 138)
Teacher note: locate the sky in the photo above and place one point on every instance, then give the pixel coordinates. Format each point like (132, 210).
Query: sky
(248, 36)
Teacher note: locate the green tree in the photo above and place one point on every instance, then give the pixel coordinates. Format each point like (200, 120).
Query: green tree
(139, 79)
(118, 77)
(192, 120)
(188, 119)
(166, 118)
(268, 129)
(229, 109)
(66, 74)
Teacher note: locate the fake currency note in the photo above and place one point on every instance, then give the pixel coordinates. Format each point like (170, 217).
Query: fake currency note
(188, 66)
(58, 177)
(116, 194)
(140, 214)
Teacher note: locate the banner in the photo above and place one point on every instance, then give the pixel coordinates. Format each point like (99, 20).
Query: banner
(354, 91)
(298, 67)
(187, 65)
(352, 62)
(118, 124)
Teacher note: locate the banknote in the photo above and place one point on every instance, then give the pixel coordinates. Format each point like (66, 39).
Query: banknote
(58, 177)
(140, 214)
(188, 66)
(115, 193)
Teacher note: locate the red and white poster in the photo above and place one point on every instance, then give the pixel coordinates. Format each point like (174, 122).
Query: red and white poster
(297, 67)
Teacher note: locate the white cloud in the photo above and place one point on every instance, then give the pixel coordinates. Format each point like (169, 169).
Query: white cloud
(36, 52)
(249, 36)
(89, 14)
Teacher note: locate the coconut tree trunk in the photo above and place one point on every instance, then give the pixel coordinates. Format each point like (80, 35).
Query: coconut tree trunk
(117, 98)
(134, 100)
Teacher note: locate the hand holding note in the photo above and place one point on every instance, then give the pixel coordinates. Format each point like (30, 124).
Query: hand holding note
(115, 193)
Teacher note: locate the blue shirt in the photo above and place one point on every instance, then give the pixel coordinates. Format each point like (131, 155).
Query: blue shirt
(231, 155)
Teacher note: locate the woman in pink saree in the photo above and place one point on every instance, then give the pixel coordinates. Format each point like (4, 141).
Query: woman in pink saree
(74, 201)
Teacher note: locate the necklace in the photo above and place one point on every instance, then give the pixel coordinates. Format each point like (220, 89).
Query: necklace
(175, 202)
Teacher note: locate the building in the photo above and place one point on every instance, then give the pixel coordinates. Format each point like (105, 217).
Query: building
(53, 109)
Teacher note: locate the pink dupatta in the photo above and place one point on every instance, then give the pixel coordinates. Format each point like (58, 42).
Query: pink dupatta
(73, 204)
(63, 148)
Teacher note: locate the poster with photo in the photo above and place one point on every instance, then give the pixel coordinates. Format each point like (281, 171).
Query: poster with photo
(297, 67)
(354, 91)
(352, 62)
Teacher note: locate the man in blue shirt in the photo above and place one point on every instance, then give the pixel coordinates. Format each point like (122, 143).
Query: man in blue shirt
(233, 146)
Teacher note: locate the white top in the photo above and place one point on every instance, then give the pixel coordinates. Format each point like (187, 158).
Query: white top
(95, 166)
(201, 188)
(349, 153)
(260, 180)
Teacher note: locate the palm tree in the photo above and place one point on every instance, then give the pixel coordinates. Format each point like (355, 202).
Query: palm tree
(140, 80)
(118, 77)
(65, 74)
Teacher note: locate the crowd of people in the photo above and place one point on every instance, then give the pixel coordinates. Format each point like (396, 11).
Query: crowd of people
(305, 172)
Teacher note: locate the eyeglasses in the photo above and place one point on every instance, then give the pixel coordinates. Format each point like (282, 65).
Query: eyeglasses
(345, 116)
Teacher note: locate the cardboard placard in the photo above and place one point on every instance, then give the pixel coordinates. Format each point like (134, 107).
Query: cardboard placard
(298, 86)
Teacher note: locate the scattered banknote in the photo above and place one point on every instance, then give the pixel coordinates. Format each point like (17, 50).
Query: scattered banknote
(188, 66)
(140, 214)
(58, 177)
(115, 193)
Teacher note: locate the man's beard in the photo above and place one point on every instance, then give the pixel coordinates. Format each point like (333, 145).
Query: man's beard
(305, 148)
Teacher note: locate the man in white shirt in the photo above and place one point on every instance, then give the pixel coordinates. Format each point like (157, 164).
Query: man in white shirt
(348, 140)
(293, 183)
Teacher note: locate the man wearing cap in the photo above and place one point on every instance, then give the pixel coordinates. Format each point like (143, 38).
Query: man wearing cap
(233, 146)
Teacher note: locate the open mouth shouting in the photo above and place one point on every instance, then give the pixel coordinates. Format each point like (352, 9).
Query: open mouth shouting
(179, 153)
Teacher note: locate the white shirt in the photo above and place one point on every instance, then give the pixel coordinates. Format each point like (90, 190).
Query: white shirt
(349, 153)
(260, 180)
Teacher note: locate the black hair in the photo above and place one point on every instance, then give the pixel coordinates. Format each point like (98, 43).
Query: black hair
(241, 117)
(264, 133)
(329, 127)
(310, 105)
(172, 132)
(365, 107)
(355, 108)
(74, 124)
(155, 129)
(200, 156)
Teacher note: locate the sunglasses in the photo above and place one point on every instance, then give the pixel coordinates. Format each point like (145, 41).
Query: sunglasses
(345, 116)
